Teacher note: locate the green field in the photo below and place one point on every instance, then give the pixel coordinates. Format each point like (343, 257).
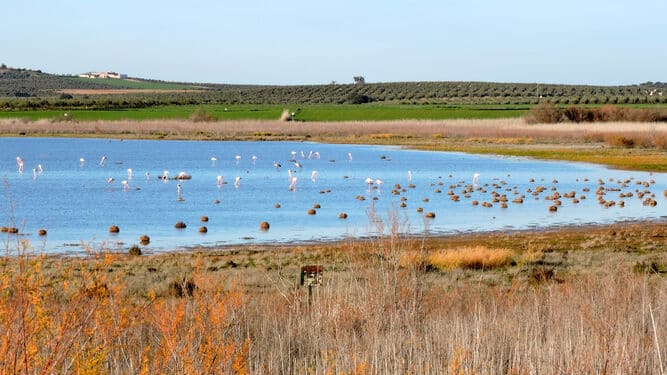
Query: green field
(272, 112)
(132, 84)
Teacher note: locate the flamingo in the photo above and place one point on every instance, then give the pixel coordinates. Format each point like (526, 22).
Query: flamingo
(213, 160)
(179, 190)
(254, 159)
(303, 156)
(237, 182)
(317, 155)
(475, 179)
(349, 156)
(369, 181)
(148, 176)
(34, 173)
(409, 176)
(110, 180)
(297, 164)
(220, 181)
(238, 159)
(310, 154)
(82, 161)
(165, 176)
(103, 161)
(40, 169)
(129, 173)
(19, 163)
(292, 184)
(126, 186)
(313, 176)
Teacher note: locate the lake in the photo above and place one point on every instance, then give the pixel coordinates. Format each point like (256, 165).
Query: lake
(75, 202)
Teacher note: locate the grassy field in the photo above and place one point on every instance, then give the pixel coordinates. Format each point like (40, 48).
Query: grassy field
(273, 112)
(573, 300)
(136, 84)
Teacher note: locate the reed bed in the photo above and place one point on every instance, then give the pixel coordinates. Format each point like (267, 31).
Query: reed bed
(496, 128)
(373, 314)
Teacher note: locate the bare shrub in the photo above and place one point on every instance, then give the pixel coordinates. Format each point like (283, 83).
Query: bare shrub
(543, 113)
(202, 115)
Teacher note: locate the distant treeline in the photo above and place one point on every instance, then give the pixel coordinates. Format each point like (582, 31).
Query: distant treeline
(25, 89)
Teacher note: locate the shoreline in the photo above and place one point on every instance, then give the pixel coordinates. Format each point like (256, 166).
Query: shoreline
(597, 143)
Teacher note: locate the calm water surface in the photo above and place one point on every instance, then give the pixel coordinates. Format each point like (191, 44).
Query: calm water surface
(76, 204)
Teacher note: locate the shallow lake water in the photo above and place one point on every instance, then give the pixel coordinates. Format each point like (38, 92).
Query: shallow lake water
(75, 203)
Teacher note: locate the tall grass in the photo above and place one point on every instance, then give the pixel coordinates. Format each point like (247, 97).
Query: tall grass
(377, 316)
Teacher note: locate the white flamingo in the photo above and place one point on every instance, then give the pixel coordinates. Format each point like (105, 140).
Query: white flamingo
(237, 182)
(310, 154)
(254, 159)
(292, 184)
(317, 155)
(409, 176)
(148, 176)
(82, 161)
(34, 174)
(313, 176)
(475, 179)
(220, 181)
(213, 160)
(238, 159)
(40, 169)
(349, 156)
(103, 161)
(179, 191)
(129, 173)
(126, 186)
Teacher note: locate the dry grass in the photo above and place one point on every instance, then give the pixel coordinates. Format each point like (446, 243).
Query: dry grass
(576, 303)
(472, 257)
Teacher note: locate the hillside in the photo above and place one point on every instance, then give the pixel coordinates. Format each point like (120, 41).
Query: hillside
(140, 93)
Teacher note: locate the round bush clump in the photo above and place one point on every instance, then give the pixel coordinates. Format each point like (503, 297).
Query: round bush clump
(264, 225)
(145, 240)
(134, 250)
(41, 232)
(430, 215)
(312, 211)
(180, 225)
(342, 215)
(203, 229)
(203, 219)
(114, 229)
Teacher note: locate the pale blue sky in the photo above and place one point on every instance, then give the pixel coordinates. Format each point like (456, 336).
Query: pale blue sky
(308, 41)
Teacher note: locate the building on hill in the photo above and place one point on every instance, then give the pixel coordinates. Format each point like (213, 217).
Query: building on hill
(103, 75)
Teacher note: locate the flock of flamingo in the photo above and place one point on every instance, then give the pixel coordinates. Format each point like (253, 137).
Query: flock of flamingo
(495, 191)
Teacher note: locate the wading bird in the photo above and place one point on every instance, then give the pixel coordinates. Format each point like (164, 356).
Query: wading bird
(103, 161)
(237, 182)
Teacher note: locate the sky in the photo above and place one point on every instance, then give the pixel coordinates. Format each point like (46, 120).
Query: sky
(597, 42)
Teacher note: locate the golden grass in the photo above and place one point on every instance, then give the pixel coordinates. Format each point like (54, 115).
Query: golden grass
(472, 257)
(466, 257)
